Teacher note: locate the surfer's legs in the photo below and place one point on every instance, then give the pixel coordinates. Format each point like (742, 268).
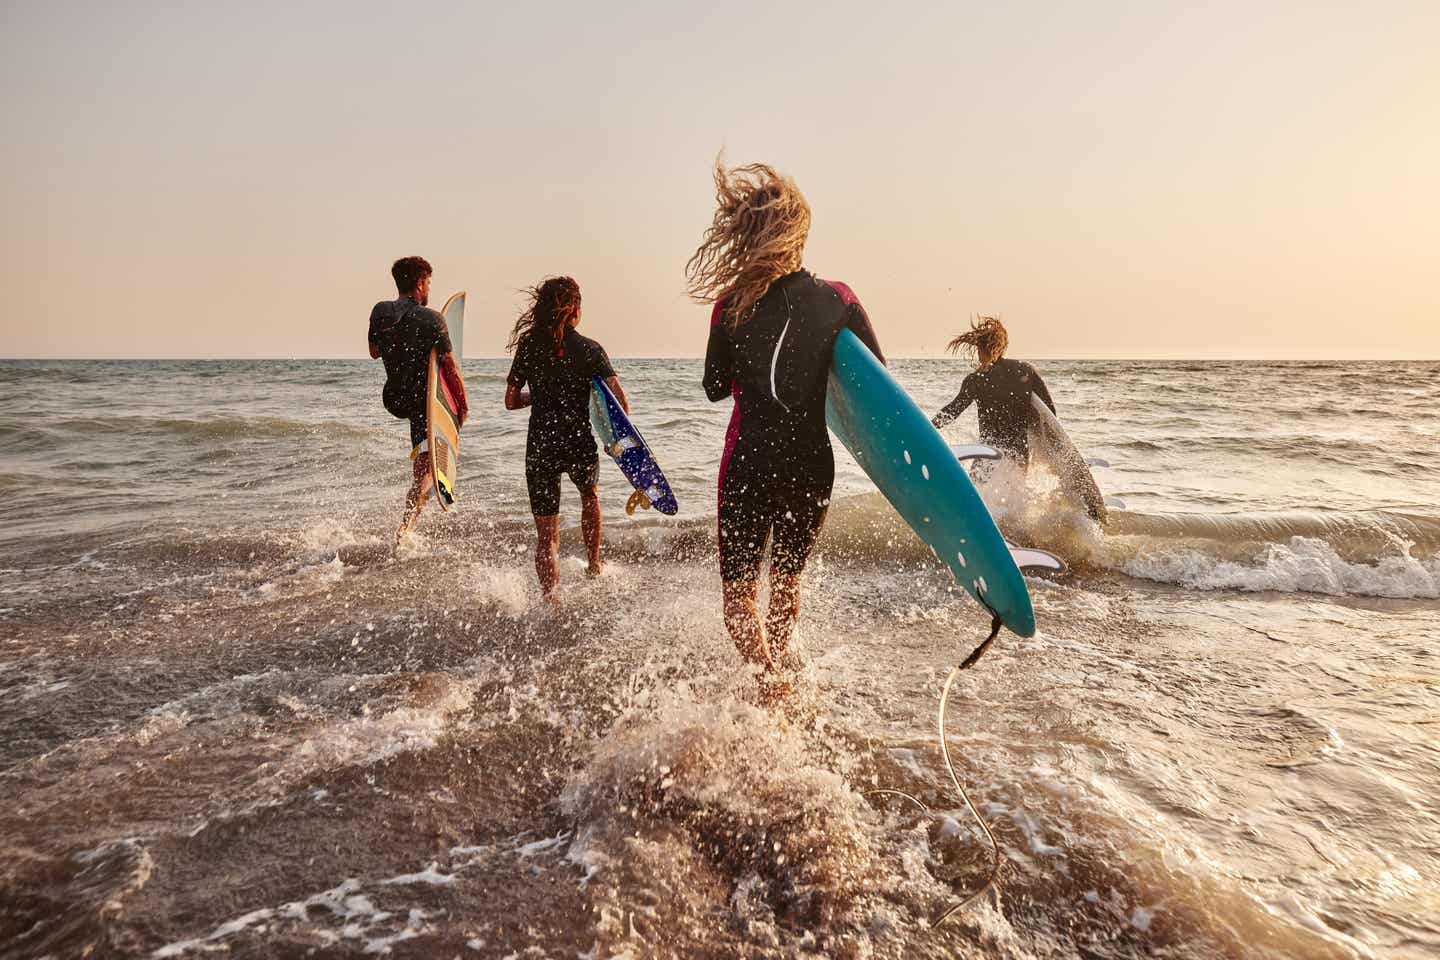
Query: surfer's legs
(780, 617)
(547, 553)
(797, 526)
(590, 526)
(790, 512)
(415, 497)
(742, 620)
(542, 482)
(743, 524)
(585, 473)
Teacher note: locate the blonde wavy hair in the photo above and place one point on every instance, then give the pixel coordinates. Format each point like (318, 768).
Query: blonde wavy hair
(758, 235)
(986, 341)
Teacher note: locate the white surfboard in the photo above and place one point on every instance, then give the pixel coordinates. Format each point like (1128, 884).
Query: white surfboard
(1050, 441)
(457, 335)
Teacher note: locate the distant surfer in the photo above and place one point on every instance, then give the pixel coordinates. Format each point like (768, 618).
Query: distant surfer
(772, 332)
(403, 331)
(1000, 388)
(1011, 418)
(557, 364)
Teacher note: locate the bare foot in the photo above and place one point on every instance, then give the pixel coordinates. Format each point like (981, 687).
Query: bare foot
(775, 688)
(789, 661)
(595, 569)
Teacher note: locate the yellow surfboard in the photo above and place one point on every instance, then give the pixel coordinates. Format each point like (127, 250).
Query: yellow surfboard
(442, 411)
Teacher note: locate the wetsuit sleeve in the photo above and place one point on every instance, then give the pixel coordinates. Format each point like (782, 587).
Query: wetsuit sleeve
(442, 336)
(719, 364)
(1037, 387)
(374, 324)
(858, 322)
(955, 407)
(600, 365)
(519, 375)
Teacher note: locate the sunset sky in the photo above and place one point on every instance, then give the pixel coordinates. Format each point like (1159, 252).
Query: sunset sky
(1113, 179)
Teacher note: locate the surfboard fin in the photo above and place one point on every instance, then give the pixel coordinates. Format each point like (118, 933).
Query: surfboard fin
(637, 499)
(1027, 559)
(974, 451)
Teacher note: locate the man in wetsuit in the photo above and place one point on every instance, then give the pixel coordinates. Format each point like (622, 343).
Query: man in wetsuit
(1000, 387)
(403, 331)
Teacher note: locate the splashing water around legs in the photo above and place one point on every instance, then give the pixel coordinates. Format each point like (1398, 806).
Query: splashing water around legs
(766, 645)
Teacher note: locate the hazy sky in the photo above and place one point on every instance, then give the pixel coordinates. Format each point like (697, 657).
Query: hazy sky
(1114, 179)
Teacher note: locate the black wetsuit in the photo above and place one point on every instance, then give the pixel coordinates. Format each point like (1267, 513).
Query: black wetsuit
(559, 440)
(404, 333)
(778, 468)
(1003, 394)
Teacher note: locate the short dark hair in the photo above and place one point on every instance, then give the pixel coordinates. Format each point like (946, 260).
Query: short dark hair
(409, 271)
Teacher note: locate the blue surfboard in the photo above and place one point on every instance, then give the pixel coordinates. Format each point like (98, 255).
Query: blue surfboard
(894, 442)
(629, 451)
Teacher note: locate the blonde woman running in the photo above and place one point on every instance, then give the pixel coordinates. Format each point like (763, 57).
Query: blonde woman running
(771, 336)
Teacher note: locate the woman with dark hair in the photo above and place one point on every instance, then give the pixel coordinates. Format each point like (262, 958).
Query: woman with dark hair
(772, 332)
(1000, 388)
(557, 364)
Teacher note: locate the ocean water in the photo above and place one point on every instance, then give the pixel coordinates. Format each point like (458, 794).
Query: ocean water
(232, 719)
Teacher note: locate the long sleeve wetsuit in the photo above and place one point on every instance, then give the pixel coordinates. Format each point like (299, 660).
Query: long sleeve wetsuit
(1002, 394)
(778, 469)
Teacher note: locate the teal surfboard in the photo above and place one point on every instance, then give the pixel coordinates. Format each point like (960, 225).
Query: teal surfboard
(894, 442)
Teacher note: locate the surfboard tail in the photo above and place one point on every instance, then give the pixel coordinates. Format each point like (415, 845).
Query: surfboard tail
(444, 470)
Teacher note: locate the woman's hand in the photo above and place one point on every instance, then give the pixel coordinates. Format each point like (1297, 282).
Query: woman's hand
(516, 397)
(614, 384)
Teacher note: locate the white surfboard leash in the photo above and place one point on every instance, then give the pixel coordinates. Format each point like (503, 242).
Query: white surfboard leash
(998, 859)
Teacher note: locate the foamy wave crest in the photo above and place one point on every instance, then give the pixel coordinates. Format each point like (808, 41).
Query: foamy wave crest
(1358, 537)
(1301, 565)
(1361, 553)
(1371, 553)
